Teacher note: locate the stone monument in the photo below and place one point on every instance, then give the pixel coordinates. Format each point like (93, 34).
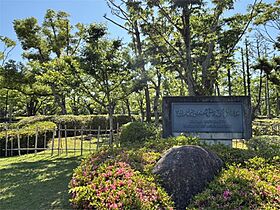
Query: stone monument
(211, 118)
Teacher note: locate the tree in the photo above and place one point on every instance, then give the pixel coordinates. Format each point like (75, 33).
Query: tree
(190, 31)
(133, 28)
(46, 46)
(103, 70)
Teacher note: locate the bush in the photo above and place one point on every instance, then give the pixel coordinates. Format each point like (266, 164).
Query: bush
(265, 146)
(103, 183)
(266, 127)
(231, 155)
(137, 133)
(161, 145)
(24, 132)
(254, 186)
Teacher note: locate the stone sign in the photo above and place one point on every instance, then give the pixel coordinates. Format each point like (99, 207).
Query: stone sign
(208, 117)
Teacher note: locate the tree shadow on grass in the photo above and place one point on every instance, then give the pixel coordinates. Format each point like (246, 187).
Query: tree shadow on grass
(41, 184)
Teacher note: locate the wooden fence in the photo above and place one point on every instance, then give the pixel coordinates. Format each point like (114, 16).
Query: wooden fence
(61, 142)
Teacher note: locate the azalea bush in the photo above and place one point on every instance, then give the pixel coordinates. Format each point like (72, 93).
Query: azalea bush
(253, 186)
(103, 182)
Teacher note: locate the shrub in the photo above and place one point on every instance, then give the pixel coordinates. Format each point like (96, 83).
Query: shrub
(102, 183)
(266, 127)
(231, 155)
(255, 186)
(24, 132)
(265, 146)
(160, 145)
(137, 133)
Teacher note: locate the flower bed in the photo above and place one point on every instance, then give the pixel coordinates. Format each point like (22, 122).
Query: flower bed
(103, 183)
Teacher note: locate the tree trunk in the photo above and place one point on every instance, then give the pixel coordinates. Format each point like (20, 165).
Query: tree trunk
(141, 106)
(148, 104)
(243, 73)
(229, 81)
(31, 106)
(63, 105)
(111, 108)
(60, 100)
(248, 68)
(186, 33)
(258, 107)
(128, 107)
(156, 100)
(268, 111)
(140, 56)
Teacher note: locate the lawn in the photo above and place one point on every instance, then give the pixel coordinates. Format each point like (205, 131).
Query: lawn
(37, 181)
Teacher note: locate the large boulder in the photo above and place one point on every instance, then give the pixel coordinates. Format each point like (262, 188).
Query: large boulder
(185, 171)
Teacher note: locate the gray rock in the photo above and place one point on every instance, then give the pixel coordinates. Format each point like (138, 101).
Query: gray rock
(185, 172)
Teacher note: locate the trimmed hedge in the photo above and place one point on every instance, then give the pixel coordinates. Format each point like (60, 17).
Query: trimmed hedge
(137, 133)
(29, 130)
(71, 121)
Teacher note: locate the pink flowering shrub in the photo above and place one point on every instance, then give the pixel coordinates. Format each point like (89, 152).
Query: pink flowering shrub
(253, 186)
(103, 183)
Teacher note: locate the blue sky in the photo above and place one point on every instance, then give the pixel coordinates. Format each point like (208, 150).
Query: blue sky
(84, 11)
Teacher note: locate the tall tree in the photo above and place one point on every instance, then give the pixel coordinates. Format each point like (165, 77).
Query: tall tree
(129, 14)
(103, 70)
(190, 31)
(52, 40)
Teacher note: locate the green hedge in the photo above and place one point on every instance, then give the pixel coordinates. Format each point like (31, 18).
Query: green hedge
(71, 121)
(137, 133)
(23, 132)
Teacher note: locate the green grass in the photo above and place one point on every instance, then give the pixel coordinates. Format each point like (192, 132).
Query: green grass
(38, 181)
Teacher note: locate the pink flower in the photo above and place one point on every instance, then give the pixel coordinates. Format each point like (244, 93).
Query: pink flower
(278, 188)
(120, 192)
(113, 187)
(121, 183)
(120, 171)
(226, 194)
(113, 206)
(128, 175)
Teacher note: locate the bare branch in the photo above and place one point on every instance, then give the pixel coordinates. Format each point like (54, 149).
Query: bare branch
(114, 22)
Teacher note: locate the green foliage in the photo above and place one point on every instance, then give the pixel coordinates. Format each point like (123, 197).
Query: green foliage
(102, 183)
(265, 146)
(25, 132)
(253, 186)
(161, 145)
(137, 133)
(232, 155)
(77, 120)
(266, 127)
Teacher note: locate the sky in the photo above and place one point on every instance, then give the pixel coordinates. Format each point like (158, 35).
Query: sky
(83, 11)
